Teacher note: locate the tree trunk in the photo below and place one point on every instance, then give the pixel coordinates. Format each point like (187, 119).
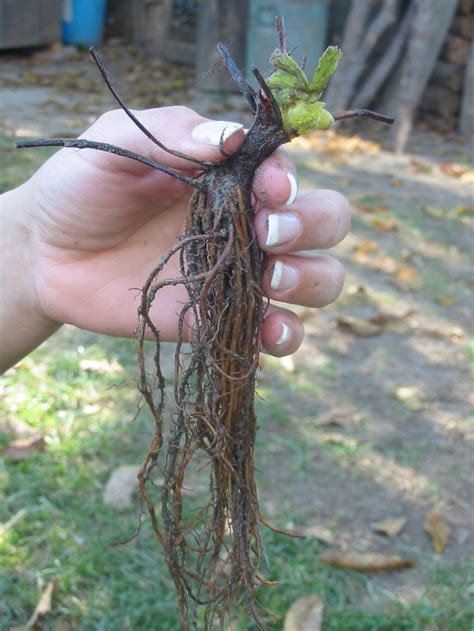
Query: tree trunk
(220, 21)
(466, 125)
(384, 67)
(340, 90)
(429, 28)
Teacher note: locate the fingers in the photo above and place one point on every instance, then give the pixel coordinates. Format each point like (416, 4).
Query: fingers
(178, 128)
(318, 219)
(183, 130)
(275, 182)
(282, 331)
(312, 282)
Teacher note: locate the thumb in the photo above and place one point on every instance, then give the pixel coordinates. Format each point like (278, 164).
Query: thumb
(178, 128)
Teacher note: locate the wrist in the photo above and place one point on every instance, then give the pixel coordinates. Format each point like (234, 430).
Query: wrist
(23, 323)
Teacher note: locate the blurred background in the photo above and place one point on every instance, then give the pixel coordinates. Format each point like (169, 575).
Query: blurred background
(365, 441)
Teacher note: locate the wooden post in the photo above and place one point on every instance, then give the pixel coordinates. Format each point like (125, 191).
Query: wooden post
(428, 33)
(466, 123)
(220, 21)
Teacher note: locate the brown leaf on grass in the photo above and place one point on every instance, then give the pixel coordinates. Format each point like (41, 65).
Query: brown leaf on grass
(438, 530)
(338, 417)
(120, 486)
(101, 365)
(385, 224)
(363, 250)
(358, 326)
(366, 561)
(412, 396)
(420, 166)
(42, 608)
(320, 533)
(445, 301)
(305, 614)
(370, 209)
(455, 170)
(406, 278)
(384, 318)
(391, 526)
(23, 448)
(463, 210)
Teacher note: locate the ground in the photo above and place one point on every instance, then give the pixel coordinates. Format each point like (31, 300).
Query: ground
(369, 420)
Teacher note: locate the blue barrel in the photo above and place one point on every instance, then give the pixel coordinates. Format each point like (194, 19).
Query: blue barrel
(83, 21)
(306, 27)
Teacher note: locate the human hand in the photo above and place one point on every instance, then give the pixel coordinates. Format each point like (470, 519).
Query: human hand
(99, 223)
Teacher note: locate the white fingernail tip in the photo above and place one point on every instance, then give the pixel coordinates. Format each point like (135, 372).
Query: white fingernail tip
(285, 335)
(273, 230)
(277, 275)
(293, 188)
(282, 227)
(215, 132)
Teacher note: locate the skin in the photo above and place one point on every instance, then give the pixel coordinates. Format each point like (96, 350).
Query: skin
(81, 236)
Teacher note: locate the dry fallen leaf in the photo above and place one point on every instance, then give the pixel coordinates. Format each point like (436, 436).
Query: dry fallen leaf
(406, 278)
(463, 210)
(337, 416)
(362, 250)
(42, 608)
(369, 208)
(321, 534)
(445, 301)
(438, 530)
(455, 170)
(391, 526)
(120, 486)
(383, 318)
(101, 365)
(305, 614)
(411, 396)
(358, 326)
(23, 448)
(385, 224)
(366, 561)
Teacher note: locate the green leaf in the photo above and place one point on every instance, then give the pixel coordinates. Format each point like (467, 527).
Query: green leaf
(326, 68)
(281, 80)
(306, 116)
(282, 61)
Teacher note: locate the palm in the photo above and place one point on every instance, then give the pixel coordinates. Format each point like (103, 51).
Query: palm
(108, 227)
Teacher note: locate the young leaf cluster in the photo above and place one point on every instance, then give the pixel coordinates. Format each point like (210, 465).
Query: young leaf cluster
(297, 97)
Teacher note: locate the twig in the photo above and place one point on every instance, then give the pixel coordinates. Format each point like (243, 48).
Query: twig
(132, 116)
(281, 29)
(82, 143)
(338, 116)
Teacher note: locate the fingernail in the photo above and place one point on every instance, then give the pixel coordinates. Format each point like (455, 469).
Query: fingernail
(282, 227)
(293, 188)
(285, 334)
(215, 132)
(283, 277)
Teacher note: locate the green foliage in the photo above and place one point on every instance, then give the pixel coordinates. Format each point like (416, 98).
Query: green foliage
(298, 99)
